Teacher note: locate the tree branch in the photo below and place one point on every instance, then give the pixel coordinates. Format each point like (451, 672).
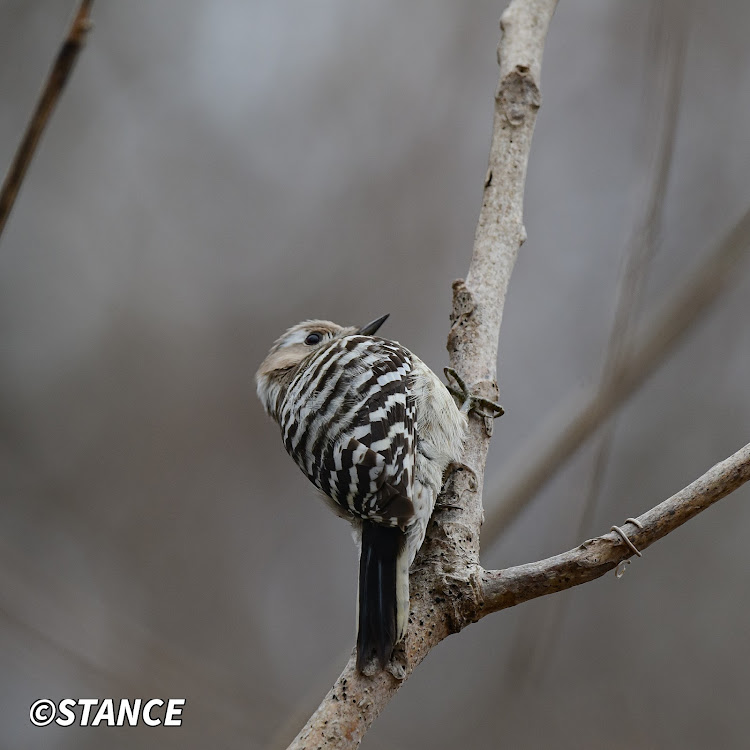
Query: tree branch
(53, 87)
(538, 461)
(447, 567)
(595, 557)
(449, 589)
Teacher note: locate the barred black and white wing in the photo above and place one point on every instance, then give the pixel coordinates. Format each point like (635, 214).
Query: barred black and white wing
(348, 421)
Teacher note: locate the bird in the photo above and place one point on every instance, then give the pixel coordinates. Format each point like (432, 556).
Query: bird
(374, 429)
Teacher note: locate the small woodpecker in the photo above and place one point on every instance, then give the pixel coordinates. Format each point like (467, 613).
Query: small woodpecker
(373, 428)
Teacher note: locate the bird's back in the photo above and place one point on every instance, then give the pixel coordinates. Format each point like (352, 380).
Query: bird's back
(348, 420)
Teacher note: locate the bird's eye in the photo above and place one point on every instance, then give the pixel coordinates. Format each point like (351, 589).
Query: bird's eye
(313, 338)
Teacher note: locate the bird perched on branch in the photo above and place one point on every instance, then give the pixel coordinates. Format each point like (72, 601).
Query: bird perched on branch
(373, 428)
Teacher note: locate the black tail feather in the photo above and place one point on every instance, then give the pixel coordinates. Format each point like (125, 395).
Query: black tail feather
(376, 629)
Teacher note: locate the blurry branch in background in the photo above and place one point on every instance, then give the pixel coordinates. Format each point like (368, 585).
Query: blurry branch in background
(669, 56)
(584, 413)
(668, 25)
(53, 87)
(447, 566)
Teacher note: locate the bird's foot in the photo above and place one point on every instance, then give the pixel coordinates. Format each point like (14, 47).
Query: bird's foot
(470, 402)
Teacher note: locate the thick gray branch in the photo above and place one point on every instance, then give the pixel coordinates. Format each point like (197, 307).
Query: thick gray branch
(478, 302)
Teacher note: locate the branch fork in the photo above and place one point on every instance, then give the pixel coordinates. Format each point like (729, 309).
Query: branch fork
(449, 589)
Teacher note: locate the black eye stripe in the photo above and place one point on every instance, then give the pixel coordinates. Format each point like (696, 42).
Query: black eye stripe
(313, 338)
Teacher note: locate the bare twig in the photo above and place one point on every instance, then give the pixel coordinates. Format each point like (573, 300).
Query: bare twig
(449, 559)
(595, 557)
(53, 87)
(583, 414)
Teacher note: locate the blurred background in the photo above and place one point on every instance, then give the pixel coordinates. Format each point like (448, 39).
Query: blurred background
(218, 171)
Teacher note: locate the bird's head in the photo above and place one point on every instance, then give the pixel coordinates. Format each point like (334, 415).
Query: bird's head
(292, 348)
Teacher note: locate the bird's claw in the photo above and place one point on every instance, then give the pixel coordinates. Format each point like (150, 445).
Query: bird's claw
(470, 402)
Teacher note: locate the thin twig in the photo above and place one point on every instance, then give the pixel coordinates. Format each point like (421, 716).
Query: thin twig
(53, 87)
(595, 557)
(584, 413)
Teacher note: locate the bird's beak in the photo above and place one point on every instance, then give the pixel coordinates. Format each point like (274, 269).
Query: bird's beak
(370, 328)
